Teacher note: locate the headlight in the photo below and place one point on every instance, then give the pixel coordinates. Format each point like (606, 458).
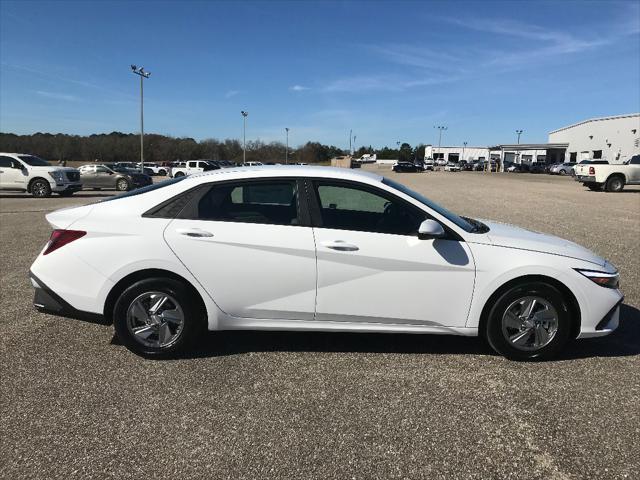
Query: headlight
(604, 279)
(57, 175)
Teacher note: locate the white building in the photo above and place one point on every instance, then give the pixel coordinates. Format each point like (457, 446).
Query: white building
(455, 154)
(615, 139)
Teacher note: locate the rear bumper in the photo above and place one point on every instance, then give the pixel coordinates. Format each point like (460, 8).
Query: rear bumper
(46, 300)
(585, 178)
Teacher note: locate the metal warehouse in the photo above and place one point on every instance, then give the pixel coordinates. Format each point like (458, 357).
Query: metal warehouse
(615, 139)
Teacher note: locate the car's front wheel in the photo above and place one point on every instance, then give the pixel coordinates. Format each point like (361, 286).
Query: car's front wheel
(40, 188)
(158, 317)
(122, 185)
(530, 321)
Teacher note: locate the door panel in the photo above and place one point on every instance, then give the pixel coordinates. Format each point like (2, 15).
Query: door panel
(393, 279)
(250, 270)
(243, 242)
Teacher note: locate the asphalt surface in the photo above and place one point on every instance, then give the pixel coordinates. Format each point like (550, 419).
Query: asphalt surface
(76, 404)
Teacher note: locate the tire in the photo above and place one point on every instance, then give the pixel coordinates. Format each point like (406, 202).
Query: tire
(512, 334)
(182, 326)
(66, 194)
(179, 174)
(162, 173)
(562, 172)
(122, 185)
(40, 188)
(614, 183)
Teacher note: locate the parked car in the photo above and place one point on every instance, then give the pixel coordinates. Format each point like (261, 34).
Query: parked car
(441, 162)
(154, 169)
(406, 167)
(252, 164)
(166, 262)
(452, 167)
(27, 173)
(613, 178)
(514, 167)
(193, 166)
(561, 168)
(587, 162)
(536, 168)
(428, 164)
(112, 175)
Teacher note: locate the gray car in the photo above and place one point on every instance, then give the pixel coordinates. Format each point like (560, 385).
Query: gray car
(109, 175)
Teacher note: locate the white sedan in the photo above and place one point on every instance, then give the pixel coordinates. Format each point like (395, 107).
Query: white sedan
(452, 167)
(315, 248)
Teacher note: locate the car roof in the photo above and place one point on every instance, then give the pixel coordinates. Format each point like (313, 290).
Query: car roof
(287, 171)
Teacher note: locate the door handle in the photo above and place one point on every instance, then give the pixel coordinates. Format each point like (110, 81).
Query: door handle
(194, 232)
(340, 245)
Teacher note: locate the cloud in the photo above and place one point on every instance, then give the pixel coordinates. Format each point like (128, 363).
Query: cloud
(298, 88)
(231, 93)
(57, 96)
(385, 83)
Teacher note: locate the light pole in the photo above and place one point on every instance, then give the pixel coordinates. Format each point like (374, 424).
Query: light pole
(286, 157)
(354, 143)
(350, 149)
(141, 72)
(519, 132)
(441, 129)
(464, 145)
(244, 136)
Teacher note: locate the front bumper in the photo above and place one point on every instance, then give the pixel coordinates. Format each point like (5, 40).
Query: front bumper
(607, 325)
(66, 187)
(46, 300)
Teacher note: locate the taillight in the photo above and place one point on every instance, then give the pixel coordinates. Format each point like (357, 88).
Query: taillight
(592, 171)
(59, 238)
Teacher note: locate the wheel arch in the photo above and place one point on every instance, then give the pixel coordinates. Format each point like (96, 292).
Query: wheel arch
(616, 174)
(566, 292)
(136, 276)
(30, 184)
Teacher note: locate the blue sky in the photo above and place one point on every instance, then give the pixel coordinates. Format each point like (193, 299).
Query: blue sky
(388, 70)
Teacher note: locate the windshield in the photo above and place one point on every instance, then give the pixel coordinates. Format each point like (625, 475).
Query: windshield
(467, 226)
(148, 188)
(34, 161)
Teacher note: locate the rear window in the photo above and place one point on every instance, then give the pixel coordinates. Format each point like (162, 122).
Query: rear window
(148, 188)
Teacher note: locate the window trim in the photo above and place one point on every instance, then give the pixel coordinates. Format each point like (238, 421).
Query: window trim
(316, 212)
(301, 203)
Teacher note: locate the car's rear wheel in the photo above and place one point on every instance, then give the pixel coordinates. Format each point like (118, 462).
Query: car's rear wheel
(530, 321)
(179, 174)
(122, 185)
(40, 188)
(614, 184)
(158, 317)
(162, 172)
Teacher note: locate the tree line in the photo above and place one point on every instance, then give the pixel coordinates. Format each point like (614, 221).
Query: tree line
(125, 147)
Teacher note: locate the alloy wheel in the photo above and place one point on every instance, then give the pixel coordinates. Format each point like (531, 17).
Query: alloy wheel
(530, 323)
(39, 189)
(155, 319)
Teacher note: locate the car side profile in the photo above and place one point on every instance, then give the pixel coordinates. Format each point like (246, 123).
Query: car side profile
(112, 176)
(27, 173)
(315, 249)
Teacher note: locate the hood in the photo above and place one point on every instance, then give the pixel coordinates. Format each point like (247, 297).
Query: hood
(504, 235)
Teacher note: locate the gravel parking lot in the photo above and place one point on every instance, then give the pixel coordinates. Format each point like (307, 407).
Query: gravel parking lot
(76, 404)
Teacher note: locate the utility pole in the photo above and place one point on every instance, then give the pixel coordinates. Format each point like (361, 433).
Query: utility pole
(350, 148)
(286, 158)
(141, 72)
(441, 128)
(244, 136)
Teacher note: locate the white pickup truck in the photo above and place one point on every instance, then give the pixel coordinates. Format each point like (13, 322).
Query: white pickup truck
(610, 176)
(192, 166)
(31, 174)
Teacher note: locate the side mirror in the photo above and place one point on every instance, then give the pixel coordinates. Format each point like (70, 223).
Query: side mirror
(430, 229)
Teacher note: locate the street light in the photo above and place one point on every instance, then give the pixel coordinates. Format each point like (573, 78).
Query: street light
(441, 129)
(244, 136)
(350, 138)
(519, 132)
(286, 158)
(143, 74)
(354, 143)
(464, 145)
